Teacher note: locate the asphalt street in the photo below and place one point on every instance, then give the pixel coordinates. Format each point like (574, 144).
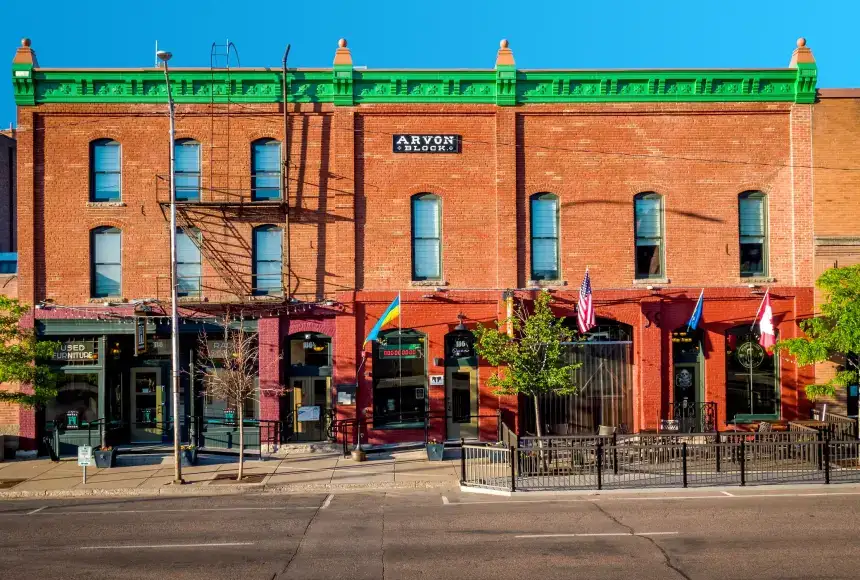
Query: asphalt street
(752, 533)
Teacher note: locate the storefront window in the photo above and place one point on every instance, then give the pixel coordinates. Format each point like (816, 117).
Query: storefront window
(752, 383)
(77, 401)
(399, 380)
(223, 409)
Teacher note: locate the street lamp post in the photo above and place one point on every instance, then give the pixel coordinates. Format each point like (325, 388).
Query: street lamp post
(174, 310)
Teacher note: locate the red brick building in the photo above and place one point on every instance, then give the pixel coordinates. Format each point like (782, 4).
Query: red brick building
(455, 190)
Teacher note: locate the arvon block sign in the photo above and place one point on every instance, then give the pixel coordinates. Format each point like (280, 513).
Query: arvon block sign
(409, 143)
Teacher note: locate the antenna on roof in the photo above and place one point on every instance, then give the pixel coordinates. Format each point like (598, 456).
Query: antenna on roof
(157, 64)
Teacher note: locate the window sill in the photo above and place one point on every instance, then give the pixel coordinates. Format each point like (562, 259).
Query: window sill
(106, 204)
(428, 283)
(108, 299)
(650, 281)
(546, 283)
(745, 419)
(757, 280)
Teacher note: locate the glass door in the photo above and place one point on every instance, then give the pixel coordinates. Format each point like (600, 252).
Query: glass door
(311, 400)
(147, 405)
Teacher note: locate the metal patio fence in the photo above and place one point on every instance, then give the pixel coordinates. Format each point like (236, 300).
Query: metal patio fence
(736, 459)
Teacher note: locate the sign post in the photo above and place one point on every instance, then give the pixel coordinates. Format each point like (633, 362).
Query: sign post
(85, 458)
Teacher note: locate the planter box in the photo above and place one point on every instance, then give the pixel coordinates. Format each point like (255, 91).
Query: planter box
(189, 457)
(435, 451)
(105, 459)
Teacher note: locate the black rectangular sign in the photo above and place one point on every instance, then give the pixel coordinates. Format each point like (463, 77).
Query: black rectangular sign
(409, 143)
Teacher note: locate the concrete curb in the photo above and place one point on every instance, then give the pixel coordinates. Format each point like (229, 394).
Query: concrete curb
(225, 489)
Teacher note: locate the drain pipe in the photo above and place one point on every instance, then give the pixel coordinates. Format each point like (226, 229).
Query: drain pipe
(285, 157)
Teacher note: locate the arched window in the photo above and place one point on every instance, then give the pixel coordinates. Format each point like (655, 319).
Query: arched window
(648, 224)
(752, 381)
(544, 237)
(426, 237)
(188, 264)
(265, 170)
(105, 262)
(752, 214)
(266, 275)
(187, 170)
(105, 170)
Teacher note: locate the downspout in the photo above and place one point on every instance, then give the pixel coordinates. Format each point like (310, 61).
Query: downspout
(285, 173)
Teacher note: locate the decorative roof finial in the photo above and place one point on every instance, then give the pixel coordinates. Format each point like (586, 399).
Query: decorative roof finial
(505, 56)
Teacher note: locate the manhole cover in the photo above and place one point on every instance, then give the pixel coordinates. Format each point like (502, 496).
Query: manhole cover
(231, 478)
(7, 483)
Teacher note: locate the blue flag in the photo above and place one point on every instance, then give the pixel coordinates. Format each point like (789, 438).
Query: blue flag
(697, 313)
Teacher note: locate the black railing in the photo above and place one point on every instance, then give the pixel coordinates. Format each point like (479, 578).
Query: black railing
(749, 459)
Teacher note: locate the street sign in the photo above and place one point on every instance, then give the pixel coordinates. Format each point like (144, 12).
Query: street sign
(85, 458)
(85, 455)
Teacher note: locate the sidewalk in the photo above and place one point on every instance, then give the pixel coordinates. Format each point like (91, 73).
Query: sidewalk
(153, 474)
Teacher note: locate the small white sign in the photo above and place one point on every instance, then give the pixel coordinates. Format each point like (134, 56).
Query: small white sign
(85, 455)
(437, 380)
(309, 413)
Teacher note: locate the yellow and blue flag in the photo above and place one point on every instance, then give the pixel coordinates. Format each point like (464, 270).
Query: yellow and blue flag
(392, 312)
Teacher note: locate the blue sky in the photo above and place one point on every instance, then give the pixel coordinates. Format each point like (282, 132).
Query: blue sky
(438, 33)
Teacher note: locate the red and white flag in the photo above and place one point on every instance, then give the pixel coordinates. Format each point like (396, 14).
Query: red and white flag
(767, 335)
(585, 309)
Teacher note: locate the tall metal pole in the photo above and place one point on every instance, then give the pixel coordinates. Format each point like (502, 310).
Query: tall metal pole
(174, 310)
(285, 174)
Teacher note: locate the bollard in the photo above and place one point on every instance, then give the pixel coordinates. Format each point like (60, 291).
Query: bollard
(614, 453)
(599, 465)
(462, 460)
(684, 460)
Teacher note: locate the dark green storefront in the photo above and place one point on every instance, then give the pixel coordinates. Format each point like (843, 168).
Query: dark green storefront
(109, 395)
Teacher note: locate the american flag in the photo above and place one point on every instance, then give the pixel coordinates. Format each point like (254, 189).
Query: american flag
(585, 310)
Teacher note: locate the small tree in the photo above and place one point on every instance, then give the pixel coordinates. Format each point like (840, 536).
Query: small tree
(230, 368)
(24, 359)
(834, 333)
(533, 361)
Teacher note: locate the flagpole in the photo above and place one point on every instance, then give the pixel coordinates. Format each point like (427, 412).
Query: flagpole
(400, 351)
(763, 298)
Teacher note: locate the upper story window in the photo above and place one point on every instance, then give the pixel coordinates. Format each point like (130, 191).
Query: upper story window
(187, 170)
(189, 267)
(265, 170)
(105, 170)
(106, 262)
(544, 237)
(752, 213)
(266, 275)
(426, 237)
(648, 225)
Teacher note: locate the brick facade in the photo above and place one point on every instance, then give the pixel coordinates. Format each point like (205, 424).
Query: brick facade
(836, 157)
(350, 221)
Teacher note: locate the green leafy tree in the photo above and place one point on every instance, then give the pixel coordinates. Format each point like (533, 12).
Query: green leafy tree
(834, 333)
(24, 359)
(533, 361)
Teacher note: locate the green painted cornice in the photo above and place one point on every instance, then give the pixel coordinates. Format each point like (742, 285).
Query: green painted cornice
(344, 85)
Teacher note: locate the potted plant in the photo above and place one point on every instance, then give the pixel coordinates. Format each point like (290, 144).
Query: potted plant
(435, 450)
(189, 454)
(105, 457)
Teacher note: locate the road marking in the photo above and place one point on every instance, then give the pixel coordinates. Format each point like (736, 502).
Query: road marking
(35, 511)
(230, 509)
(327, 501)
(445, 500)
(166, 546)
(595, 535)
(728, 494)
